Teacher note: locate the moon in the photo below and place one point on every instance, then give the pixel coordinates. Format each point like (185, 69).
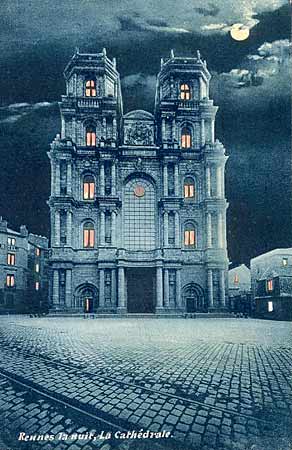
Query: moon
(239, 32)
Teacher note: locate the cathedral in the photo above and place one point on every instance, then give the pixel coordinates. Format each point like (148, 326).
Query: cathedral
(137, 204)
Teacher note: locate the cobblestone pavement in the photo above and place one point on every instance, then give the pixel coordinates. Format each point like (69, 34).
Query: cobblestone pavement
(212, 384)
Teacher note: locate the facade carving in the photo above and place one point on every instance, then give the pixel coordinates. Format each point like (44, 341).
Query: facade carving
(138, 209)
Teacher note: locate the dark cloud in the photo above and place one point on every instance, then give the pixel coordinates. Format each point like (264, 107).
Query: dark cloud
(211, 10)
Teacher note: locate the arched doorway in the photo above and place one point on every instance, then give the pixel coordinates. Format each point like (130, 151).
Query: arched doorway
(194, 298)
(86, 298)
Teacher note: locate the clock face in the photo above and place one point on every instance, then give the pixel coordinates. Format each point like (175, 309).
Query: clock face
(139, 191)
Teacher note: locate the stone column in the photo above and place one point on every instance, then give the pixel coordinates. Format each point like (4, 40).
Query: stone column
(57, 228)
(69, 178)
(101, 179)
(101, 288)
(176, 181)
(113, 288)
(203, 139)
(173, 129)
(121, 288)
(209, 230)
(220, 230)
(163, 129)
(177, 229)
(102, 228)
(114, 128)
(166, 288)
(218, 182)
(56, 295)
(210, 288)
(178, 289)
(159, 288)
(165, 180)
(208, 181)
(165, 228)
(68, 289)
(104, 127)
(69, 228)
(212, 131)
(222, 182)
(53, 177)
(222, 288)
(57, 178)
(114, 190)
(113, 230)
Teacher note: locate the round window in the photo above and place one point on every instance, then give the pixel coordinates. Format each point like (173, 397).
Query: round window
(139, 190)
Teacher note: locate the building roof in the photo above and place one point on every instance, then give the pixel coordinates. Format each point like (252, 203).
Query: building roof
(276, 251)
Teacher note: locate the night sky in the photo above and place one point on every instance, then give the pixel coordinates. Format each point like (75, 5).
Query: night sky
(250, 85)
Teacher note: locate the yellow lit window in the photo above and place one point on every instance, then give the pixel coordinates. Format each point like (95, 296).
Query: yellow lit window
(88, 235)
(11, 259)
(90, 137)
(186, 138)
(189, 188)
(37, 285)
(270, 307)
(10, 280)
(270, 285)
(190, 238)
(90, 88)
(37, 268)
(185, 92)
(285, 262)
(11, 241)
(37, 251)
(88, 188)
(236, 279)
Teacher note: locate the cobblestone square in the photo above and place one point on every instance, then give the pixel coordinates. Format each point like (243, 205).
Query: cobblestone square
(200, 383)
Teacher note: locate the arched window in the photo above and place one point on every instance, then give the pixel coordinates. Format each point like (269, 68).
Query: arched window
(189, 188)
(185, 91)
(90, 88)
(88, 235)
(90, 136)
(189, 236)
(88, 187)
(186, 138)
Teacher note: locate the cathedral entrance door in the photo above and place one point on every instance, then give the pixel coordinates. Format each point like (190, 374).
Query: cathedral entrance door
(141, 290)
(88, 305)
(191, 304)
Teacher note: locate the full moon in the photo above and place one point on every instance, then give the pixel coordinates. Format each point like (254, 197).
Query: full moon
(239, 32)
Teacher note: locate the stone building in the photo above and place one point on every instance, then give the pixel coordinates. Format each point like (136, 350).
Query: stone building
(271, 280)
(138, 210)
(23, 271)
(239, 287)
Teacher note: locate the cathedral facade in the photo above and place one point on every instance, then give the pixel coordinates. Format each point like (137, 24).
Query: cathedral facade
(138, 209)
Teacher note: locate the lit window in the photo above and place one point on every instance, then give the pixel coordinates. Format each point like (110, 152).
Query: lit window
(88, 187)
(90, 137)
(90, 88)
(11, 259)
(87, 305)
(285, 262)
(37, 268)
(236, 279)
(189, 188)
(11, 241)
(10, 280)
(37, 285)
(185, 92)
(88, 235)
(270, 285)
(37, 251)
(270, 307)
(186, 138)
(190, 236)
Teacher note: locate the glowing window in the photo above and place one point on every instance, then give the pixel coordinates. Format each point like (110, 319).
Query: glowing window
(37, 251)
(236, 279)
(90, 137)
(285, 262)
(270, 307)
(185, 92)
(186, 138)
(88, 235)
(10, 280)
(37, 268)
(11, 259)
(90, 88)
(270, 285)
(88, 187)
(37, 285)
(11, 241)
(189, 188)
(190, 236)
